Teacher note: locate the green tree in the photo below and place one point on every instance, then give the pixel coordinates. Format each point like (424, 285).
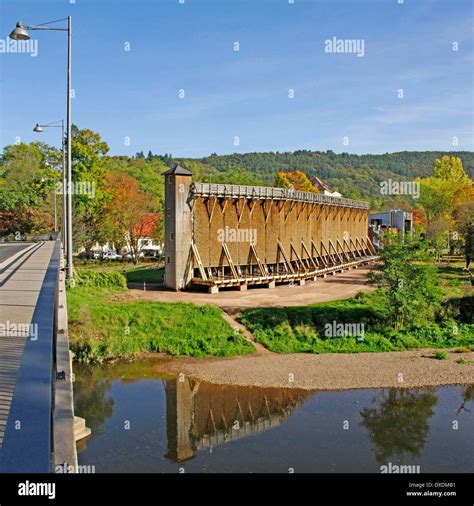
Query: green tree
(409, 287)
(89, 175)
(27, 178)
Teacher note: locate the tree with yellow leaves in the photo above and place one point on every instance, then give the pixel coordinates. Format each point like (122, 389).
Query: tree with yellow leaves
(295, 180)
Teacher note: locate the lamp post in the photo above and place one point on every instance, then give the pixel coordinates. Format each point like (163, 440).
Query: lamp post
(39, 128)
(20, 33)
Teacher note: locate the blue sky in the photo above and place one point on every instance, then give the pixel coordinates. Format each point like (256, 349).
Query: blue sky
(132, 97)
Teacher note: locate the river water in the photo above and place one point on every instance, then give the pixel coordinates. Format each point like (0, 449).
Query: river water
(145, 421)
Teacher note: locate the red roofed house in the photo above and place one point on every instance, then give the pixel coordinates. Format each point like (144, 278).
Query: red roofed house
(143, 236)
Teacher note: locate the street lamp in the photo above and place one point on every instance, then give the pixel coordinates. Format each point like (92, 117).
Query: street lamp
(20, 33)
(39, 129)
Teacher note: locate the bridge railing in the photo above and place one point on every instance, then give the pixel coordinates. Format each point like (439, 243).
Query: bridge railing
(268, 192)
(28, 441)
(30, 237)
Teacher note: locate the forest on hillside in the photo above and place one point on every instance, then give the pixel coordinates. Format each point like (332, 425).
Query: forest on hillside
(126, 190)
(352, 175)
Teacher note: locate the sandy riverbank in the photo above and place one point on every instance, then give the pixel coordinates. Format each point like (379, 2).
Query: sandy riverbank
(408, 369)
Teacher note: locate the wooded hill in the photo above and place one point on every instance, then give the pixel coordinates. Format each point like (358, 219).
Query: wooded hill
(350, 174)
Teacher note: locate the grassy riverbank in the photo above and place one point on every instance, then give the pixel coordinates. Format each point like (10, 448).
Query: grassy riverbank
(320, 328)
(104, 325)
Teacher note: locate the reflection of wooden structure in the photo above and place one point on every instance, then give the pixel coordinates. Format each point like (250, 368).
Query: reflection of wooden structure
(227, 235)
(202, 415)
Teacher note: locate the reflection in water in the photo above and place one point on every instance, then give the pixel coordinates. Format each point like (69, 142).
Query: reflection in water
(91, 402)
(400, 422)
(201, 415)
(467, 396)
(176, 423)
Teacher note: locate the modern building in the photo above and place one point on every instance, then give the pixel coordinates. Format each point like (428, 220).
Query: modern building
(394, 219)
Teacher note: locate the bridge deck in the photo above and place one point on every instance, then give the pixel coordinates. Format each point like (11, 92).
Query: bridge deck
(21, 277)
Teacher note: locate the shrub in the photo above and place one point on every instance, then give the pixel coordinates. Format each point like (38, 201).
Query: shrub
(100, 279)
(441, 355)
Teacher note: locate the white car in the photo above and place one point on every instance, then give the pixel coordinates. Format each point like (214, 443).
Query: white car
(110, 255)
(129, 256)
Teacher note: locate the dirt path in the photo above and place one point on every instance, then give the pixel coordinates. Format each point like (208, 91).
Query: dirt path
(341, 286)
(332, 371)
(259, 349)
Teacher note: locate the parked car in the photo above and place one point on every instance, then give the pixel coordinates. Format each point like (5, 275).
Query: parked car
(151, 252)
(111, 255)
(129, 256)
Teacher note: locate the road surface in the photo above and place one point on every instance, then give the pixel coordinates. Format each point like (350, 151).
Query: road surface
(7, 250)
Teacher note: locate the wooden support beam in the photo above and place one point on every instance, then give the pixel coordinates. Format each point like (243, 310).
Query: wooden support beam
(197, 257)
(302, 208)
(338, 242)
(292, 249)
(320, 255)
(292, 205)
(262, 267)
(240, 212)
(267, 213)
(331, 244)
(362, 247)
(349, 247)
(354, 246)
(285, 256)
(210, 208)
(371, 246)
(252, 206)
(310, 256)
(225, 251)
(321, 209)
(331, 257)
(311, 210)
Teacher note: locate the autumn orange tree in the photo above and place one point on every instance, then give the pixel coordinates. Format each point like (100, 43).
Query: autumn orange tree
(295, 180)
(130, 215)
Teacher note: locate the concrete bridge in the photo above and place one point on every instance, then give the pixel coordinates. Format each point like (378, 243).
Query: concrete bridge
(36, 400)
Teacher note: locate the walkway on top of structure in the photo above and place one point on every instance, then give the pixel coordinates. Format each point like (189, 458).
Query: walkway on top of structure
(268, 192)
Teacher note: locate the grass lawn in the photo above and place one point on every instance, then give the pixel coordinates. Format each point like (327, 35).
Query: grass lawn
(148, 274)
(103, 326)
(304, 329)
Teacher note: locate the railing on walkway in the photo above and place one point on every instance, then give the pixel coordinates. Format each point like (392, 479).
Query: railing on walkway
(30, 237)
(267, 192)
